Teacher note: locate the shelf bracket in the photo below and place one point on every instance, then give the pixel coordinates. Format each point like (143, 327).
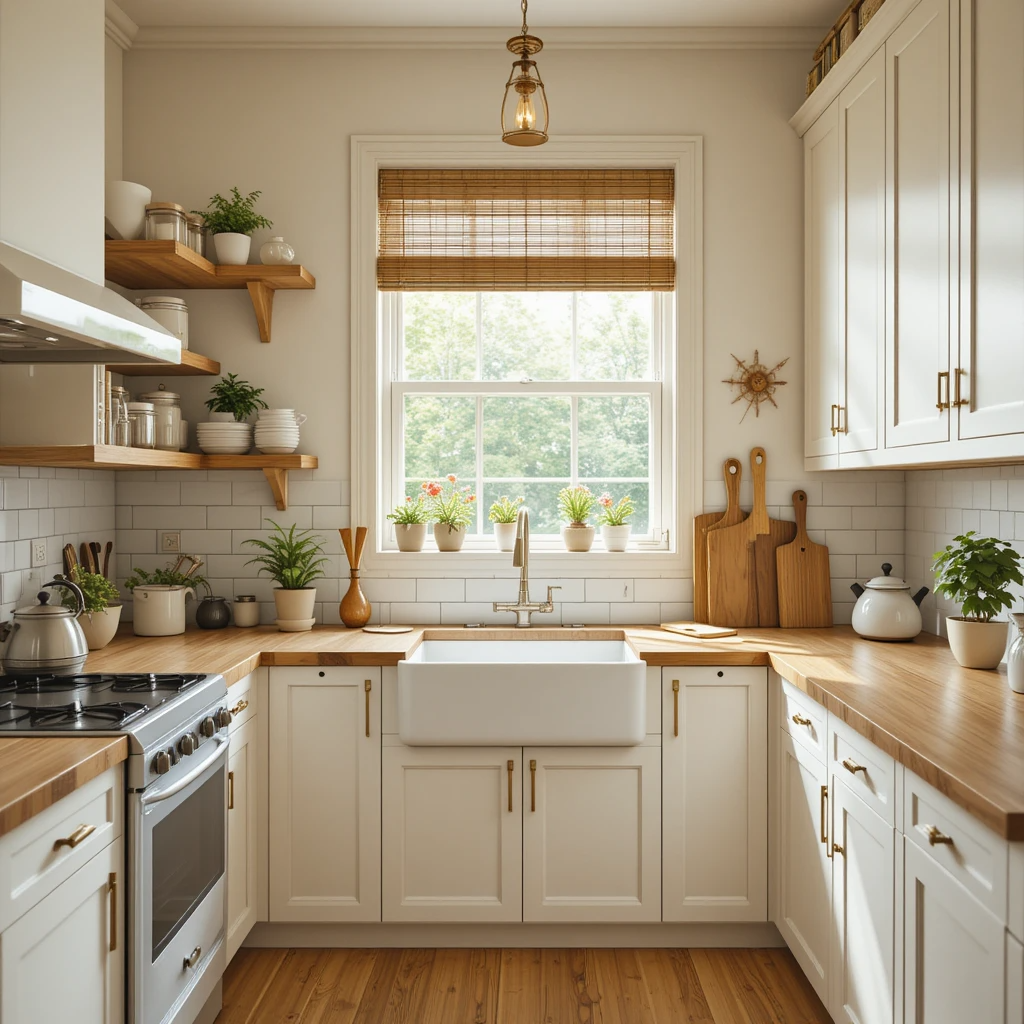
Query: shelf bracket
(278, 480)
(262, 296)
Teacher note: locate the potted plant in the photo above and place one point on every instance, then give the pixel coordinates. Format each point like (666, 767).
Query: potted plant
(612, 518)
(102, 607)
(232, 222)
(234, 401)
(451, 508)
(293, 560)
(158, 598)
(575, 505)
(410, 519)
(504, 513)
(976, 573)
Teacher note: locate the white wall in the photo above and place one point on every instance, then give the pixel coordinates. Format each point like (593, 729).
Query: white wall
(113, 98)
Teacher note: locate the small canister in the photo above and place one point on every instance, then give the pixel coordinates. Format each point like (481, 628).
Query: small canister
(142, 417)
(196, 233)
(169, 312)
(167, 409)
(246, 610)
(120, 425)
(166, 222)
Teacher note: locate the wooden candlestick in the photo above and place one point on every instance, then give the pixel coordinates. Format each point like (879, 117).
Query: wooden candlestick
(354, 608)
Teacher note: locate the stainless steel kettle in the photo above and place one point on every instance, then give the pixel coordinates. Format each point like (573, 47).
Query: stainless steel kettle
(45, 638)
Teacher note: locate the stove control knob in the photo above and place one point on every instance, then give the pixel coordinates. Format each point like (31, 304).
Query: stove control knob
(208, 727)
(223, 718)
(162, 763)
(173, 755)
(187, 744)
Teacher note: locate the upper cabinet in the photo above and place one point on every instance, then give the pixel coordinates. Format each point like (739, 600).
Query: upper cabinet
(914, 223)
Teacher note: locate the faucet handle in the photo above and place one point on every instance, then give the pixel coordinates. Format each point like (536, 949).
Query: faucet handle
(550, 601)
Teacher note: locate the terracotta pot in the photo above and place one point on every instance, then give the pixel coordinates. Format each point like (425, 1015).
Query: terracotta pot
(615, 537)
(410, 536)
(449, 538)
(99, 627)
(976, 644)
(578, 537)
(505, 536)
(295, 605)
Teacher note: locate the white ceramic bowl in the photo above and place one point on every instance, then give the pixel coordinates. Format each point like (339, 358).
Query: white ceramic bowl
(126, 207)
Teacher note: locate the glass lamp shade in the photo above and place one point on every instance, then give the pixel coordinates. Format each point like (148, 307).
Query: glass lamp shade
(524, 111)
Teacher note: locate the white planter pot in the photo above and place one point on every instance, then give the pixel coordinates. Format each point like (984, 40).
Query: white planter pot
(99, 627)
(505, 536)
(232, 248)
(125, 208)
(976, 644)
(578, 538)
(159, 611)
(410, 536)
(447, 538)
(615, 537)
(220, 417)
(295, 605)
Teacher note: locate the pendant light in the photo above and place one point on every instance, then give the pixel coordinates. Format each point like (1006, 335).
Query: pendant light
(524, 110)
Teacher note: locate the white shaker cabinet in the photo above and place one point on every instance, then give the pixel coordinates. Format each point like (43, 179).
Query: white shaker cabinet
(242, 808)
(715, 794)
(452, 833)
(324, 769)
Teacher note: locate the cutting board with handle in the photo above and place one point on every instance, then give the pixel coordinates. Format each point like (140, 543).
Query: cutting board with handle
(805, 586)
(771, 535)
(732, 470)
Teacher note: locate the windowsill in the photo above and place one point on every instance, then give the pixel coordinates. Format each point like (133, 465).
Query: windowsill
(550, 562)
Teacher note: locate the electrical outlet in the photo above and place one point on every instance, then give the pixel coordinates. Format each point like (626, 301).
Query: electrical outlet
(38, 552)
(170, 543)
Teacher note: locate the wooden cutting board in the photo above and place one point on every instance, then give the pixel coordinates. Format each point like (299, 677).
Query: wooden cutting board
(771, 535)
(805, 586)
(732, 470)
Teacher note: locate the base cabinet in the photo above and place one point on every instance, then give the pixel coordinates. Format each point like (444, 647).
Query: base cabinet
(242, 807)
(64, 959)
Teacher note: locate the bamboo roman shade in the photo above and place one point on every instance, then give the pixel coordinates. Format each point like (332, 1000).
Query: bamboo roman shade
(505, 229)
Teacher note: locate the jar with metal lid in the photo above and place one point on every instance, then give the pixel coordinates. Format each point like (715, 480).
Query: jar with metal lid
(196, 233)
(169, 312)
(246, 610)
(166, 222)
(167, 412)
(120, 425)
(142, 416)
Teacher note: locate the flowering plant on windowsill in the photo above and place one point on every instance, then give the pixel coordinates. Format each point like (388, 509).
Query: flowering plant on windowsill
(505, 510)
(575, 504)
(412, 512)
(614, 513)
(449, 504)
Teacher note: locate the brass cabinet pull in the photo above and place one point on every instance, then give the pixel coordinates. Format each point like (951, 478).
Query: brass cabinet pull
(191, 961)
(832, 424)
(842, 426)
(935, 837)
(112, 882)
(367, 687)
(824, 804)
(533, 785)
(675, 707)
(231, 791)
(939, 403)
(799, 719)
(853, 767)
(78, 836)
(959, 400)
(836, 848)
(240, 707)
(511, 768)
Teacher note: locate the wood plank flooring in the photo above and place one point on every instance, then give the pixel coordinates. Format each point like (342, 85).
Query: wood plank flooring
(518, 986)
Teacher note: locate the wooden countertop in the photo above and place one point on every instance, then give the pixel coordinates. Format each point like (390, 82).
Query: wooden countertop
(961, 730)
(37, 772)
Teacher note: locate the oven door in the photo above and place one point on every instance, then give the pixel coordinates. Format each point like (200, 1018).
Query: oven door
(178, 904)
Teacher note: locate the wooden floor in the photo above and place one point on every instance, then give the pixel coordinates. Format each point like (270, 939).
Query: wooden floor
(518, 986)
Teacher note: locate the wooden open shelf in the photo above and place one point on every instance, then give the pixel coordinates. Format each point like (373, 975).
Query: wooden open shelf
(159, 264)
(107, 456)
(192, 365)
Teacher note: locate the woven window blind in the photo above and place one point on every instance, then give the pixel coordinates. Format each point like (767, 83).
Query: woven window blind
(504, 229)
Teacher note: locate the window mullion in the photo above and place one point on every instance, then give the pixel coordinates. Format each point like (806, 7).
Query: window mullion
(479, 487)
(574, 440)
(479, 336)
(574, 370)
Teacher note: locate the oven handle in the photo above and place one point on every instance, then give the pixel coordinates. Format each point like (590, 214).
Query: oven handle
(165, 794)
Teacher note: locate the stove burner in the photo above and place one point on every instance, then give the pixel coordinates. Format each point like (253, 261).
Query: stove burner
(154, 683)
(74, 713)
(49, 683)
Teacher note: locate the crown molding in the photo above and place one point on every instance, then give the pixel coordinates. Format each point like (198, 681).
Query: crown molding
(119, 26)
(409, 38)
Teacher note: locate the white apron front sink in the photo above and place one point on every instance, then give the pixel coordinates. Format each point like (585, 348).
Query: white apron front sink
(522, 693)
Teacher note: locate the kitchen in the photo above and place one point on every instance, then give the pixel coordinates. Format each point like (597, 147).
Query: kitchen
(145, 96)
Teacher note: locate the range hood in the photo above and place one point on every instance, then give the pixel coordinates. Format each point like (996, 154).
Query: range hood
(49, 315)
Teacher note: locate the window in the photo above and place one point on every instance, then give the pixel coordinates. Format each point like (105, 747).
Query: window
(523, 393)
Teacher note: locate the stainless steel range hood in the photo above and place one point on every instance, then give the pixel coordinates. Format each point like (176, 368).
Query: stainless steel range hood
(49, 315)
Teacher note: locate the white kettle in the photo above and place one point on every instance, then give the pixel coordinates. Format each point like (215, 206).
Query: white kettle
(885, 609)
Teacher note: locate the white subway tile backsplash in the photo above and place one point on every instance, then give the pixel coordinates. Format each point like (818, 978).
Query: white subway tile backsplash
(415, 613)
(661, 590)
(205, 493)
(882, 517)
(167, 517)
(635, 613)
(592, 613)
(609, 590)
(835, 492)
(233, 517)
(440, 590)
(390, 590)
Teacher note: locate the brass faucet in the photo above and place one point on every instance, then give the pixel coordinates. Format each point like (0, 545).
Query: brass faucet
(524, 607)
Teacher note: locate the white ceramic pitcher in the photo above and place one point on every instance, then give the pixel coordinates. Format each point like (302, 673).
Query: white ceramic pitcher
(159, 610)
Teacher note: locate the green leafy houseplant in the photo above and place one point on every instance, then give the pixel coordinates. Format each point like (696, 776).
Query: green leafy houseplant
(505, 510)
(575, 504)
(98, 591)
(614, 513)
(237, 214)
(412, 512)
(976, 573)
(235, 396)
(292, 559)
(449, 504)
(168, 577)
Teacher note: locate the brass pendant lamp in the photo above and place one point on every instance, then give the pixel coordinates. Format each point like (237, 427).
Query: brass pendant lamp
(524, 110)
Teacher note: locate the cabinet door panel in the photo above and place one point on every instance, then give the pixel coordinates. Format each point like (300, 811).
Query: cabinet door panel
(452, 846)
(918, 230)
(241, 835)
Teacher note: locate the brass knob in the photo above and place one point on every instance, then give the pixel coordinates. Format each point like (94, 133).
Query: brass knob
(836, 848)
(853, 767)
(800, 720)
(937, 838)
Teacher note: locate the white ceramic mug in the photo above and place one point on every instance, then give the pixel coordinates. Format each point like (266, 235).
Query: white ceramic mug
(159, 611)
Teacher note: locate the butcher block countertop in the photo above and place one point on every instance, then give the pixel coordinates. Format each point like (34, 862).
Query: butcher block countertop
(961, 730)
(37, 772)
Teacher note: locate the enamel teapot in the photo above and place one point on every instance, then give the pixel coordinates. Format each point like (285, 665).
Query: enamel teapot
(885, 609)
(45, 638)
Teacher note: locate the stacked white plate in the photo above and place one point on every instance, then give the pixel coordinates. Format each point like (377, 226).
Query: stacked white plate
(277, 431)
(224, 438)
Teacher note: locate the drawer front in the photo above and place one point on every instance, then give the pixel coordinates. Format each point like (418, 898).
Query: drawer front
(974, 855)
(32, 864)
(242, 701)
(805, 720)
(864, 769)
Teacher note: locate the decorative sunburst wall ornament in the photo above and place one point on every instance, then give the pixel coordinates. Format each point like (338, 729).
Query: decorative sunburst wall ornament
(756, 382)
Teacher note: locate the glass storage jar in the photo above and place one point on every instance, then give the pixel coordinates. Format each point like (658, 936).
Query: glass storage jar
(166, 222)
(142, 416)
(167, 413)
(246, 610)
(120, 425)
(196, 234)
(169, 312)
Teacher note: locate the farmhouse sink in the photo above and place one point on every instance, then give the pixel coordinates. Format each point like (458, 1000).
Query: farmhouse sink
(522, 692)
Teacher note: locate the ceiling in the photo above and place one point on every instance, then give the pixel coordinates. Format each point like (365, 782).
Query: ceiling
(484, 13)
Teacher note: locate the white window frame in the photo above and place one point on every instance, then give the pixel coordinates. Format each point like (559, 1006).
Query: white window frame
(682, 378)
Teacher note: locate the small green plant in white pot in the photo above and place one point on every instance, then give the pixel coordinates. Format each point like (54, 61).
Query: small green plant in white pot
(232, 222)
(452, 508)
(976, 573)
(294, 560)
(410, 519)
(575, 505)
(613, 518)
(102, 612)
(504, 513)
